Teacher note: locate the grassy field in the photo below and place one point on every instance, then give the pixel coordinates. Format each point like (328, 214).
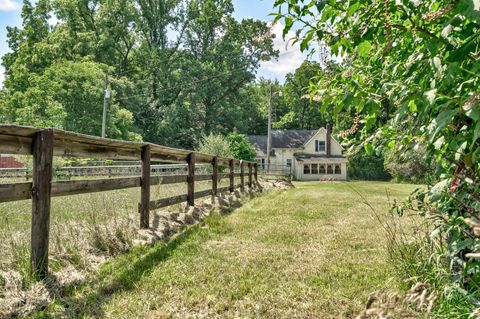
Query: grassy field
(80, 224)
(312, 252)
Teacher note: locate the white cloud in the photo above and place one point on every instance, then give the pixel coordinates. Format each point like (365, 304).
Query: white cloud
(290, 57)
(9, 5)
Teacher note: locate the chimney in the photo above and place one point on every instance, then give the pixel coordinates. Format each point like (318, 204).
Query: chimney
(329, 140)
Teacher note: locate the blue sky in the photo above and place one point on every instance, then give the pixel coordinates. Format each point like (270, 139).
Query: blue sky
(290, 58)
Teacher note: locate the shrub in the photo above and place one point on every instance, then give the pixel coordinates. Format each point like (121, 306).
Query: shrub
(367, 167)
(409, 166)
(215, 144)
(241, 147)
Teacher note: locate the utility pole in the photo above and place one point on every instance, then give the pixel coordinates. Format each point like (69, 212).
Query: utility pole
(106, 99)
(269, 134)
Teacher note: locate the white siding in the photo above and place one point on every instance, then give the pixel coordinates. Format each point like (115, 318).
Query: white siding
(322, 136)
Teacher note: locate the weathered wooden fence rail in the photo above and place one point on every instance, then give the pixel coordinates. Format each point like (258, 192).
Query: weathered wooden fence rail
(44, 144)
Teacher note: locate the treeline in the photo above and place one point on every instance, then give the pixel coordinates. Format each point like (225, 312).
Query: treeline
(176, 69)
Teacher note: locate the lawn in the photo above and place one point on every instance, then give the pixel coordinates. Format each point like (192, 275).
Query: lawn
(316, 251)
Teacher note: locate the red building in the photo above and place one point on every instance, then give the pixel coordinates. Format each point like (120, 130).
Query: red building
(7, 161)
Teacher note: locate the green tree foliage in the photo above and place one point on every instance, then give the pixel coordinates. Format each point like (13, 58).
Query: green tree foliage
(362, 166)
(182, 68)
(301, 112)
(69, 95)
(241, 148)
(411, 70)
(215, 144)
(408, 166)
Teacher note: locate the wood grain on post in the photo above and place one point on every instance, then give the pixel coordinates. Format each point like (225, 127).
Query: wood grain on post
(191, 179)
(214, 176)
(145, 189)
(42, 150)
(232, 175)
(250, 175)
(242, 176)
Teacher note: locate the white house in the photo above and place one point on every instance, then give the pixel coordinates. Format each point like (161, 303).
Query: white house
(307, 155)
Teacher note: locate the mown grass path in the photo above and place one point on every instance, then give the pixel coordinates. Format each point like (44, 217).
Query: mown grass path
(311, 252)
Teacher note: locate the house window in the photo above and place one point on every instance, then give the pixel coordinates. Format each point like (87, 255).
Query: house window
(306, 169)
(321, 168)
(319, 146)
(315, 169)
(261, 162)
(338, 169)
(329, 169)
(289, 162)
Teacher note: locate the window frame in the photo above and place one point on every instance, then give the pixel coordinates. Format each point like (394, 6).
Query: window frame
(321, 169)
(339, 172)
(319, 149)
(305, 167)
(330, 169)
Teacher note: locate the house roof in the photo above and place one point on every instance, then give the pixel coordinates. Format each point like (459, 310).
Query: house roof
(305, 157)
(281, 139)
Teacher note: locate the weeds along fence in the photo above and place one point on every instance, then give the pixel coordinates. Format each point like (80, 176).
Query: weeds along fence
(44, 144)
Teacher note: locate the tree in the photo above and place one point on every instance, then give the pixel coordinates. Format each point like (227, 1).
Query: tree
(241, 147)
(410, 69)
(215, 144)
(69, 95)
(182, 68)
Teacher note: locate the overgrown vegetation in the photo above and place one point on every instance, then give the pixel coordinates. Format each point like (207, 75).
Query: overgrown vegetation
(367, 167)
(410, 70)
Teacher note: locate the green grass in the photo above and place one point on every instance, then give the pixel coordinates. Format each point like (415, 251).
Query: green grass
(79, 224)
(311, 252)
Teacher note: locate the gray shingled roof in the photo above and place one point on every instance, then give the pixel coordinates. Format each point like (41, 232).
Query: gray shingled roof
(281, 139)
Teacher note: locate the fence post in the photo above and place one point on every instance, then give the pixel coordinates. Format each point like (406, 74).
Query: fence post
(232, 175)
(191, 179)
(250, 182)
(145, 190)
(242, 176)
(42, 150)
(214, 176)
(256, 172)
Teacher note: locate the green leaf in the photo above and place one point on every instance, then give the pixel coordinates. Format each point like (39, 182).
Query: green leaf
(353, 8)
(412, 106)
(368, 148)
(364, 48)
(476, 133)
(442, 119)
(470, 8)
(474, 114)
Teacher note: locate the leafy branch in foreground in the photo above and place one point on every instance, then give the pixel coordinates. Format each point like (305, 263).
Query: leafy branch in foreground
(411, 69)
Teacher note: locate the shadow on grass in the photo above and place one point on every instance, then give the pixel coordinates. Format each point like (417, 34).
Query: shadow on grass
(90, 303)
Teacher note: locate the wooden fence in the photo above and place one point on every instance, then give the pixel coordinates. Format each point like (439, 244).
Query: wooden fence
(44, 144)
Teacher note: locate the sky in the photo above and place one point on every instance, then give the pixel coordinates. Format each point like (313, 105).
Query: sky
(290, 57)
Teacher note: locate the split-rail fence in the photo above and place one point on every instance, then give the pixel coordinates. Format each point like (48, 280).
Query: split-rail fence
(44, 144)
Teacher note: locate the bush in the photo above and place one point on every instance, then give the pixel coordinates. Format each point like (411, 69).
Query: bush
(367, 167)
(408, 166)
(214, 144)
(241, 147)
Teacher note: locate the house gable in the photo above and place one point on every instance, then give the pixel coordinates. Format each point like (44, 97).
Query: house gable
(321, 135)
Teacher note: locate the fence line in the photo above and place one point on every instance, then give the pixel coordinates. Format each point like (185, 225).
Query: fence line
(44, 144)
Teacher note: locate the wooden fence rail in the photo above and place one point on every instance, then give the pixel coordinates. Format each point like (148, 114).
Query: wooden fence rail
(44, 144)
